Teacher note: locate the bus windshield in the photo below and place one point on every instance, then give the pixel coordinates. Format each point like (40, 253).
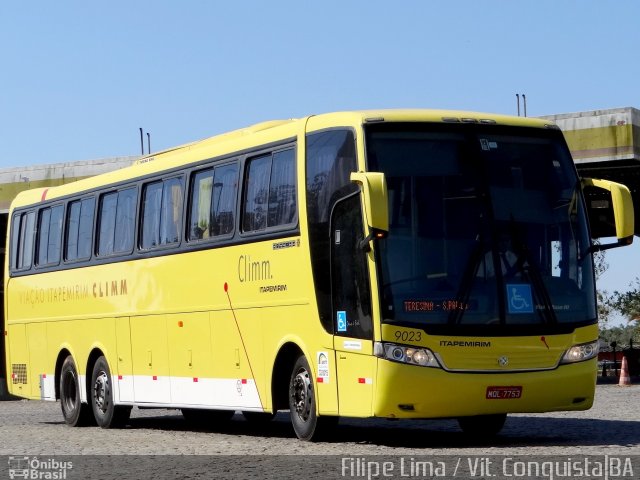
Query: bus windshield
(487, 230)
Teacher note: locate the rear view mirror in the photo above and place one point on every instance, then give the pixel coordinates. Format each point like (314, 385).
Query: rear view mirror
(376, 206)
(610, 210)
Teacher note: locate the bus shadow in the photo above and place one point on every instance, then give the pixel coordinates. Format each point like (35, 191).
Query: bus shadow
(518, 431)
(279, 427)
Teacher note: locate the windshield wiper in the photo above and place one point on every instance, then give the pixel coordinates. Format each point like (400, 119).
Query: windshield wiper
(464, 292)
(531, 272)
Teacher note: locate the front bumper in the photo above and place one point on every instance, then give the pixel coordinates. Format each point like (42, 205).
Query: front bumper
(407, 391)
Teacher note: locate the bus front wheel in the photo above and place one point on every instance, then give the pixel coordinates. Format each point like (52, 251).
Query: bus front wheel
(302, 404)
(75, 413)
(482, 425)
(106, 413)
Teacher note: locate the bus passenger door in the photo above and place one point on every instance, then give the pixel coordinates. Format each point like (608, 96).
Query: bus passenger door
(351, 298)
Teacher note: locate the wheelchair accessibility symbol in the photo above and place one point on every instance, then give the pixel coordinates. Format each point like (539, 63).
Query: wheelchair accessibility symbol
(519, 298)
(341, 318)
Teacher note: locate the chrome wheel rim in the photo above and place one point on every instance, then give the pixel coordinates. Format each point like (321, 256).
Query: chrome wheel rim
(101, 392)
(302, 394)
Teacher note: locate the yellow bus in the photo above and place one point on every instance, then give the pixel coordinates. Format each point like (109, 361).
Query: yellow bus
(396, 264)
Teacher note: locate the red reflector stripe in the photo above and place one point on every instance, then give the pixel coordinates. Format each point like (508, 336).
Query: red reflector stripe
(155, 377)
(244, 381)
(119, 377)
(195, 379)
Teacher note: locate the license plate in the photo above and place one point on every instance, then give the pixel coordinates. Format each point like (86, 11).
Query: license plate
(503, 393)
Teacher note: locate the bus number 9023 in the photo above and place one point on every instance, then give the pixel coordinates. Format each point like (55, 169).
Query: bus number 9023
(408, 336)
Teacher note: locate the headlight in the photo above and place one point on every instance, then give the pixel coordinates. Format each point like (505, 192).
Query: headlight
(403, 354)
(580, 353)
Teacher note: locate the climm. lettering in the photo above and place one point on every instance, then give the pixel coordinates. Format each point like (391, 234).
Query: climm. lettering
(110, 289)
(253, 271)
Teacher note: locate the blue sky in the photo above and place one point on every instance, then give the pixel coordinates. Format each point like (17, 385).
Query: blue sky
(78, 78)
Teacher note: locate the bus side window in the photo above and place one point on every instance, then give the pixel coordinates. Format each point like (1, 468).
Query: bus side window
(270, 191)
(256, 189)
(22, 240)
(49, 236)
(79, 229)
(223, 201)
(151, 199)
(200, 205)
(212, 203)
(282, 188)
(161, 213)
(116, 236)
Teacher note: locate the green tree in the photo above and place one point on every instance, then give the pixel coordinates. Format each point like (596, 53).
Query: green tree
(627, 303)
(605, 310)
(623, 335)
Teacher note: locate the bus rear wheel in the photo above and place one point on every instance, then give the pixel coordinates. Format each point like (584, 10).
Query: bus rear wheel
(482, 425)
(106, 413)
(302, 404)
(75, 413)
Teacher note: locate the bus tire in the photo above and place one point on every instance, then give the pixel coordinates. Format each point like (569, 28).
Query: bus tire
(302, 404)
(106, 413)
(75, 413)
(482, 425)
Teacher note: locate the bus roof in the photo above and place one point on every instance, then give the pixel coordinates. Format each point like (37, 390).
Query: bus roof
(260, 134)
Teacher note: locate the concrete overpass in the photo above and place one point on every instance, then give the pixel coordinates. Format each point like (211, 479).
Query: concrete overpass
(606, 144)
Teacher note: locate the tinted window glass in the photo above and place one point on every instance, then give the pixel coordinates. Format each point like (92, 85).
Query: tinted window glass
(162, 210)
(15, 241)
(26, 236)
(49, 235)
(55, 234)
(213, 202)
(22, 241)
(151, 199)
(117, 236)
(282, 189)
(349, 273)
(73, 225)
(80, 229)
(331, 157)
(256, 194)
(200, 218)
(487, 230)
(85, 228)
(43, 235)
(270, 198)
(125, 226)
(171, 211)
(225, 191)
(108, 205)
